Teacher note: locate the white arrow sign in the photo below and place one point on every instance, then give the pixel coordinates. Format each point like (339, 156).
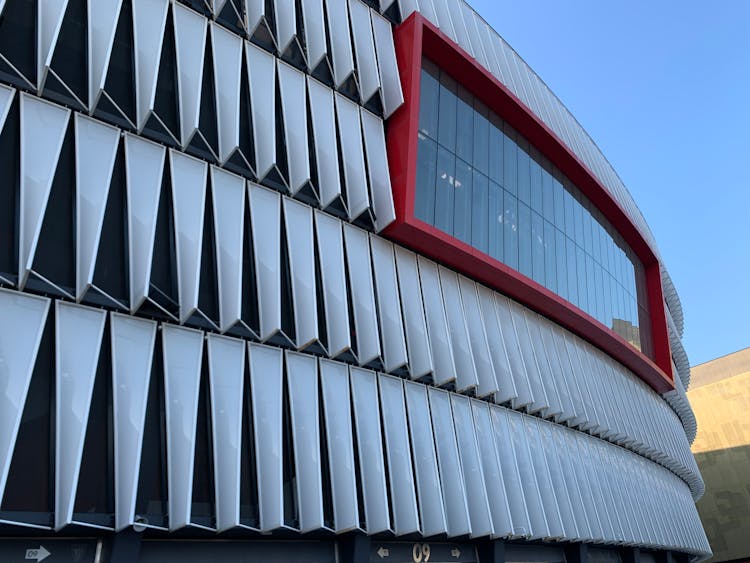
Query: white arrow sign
(39, 554)
(383, 552)
(455, 552)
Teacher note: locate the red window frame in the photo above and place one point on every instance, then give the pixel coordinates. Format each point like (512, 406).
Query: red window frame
(416, 37)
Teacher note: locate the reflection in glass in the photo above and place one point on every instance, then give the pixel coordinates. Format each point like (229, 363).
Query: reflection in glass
(480, 181)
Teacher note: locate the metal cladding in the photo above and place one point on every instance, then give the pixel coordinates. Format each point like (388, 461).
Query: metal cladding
(202, 328)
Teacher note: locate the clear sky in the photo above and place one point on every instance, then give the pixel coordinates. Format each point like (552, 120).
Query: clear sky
(663, 87)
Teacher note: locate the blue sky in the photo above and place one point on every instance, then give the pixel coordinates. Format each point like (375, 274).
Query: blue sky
(664, 89)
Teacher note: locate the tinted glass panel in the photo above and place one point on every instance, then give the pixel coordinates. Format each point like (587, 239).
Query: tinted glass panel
(483, 183)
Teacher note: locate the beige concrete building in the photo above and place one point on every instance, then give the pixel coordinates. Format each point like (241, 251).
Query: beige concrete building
(720, 396)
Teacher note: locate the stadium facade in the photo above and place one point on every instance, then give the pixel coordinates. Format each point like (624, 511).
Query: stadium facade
(322, 280)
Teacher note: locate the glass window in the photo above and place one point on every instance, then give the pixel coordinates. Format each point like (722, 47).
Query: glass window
(428, 100)
(537, 232)
(482, 182)
(524, 174)
(424, 201)
(446, 177)
(548, 197)
(462, 202)
(524, 239)
(569, 214)
(497, 140)
(495, 210)
(570, 248)
(479, 215)
(536, 185)
(481, 138)
(559, 199)
(464, 125)
(561, 257)
(510, 230)
(447, 112)
(550, 263)
(510, 161)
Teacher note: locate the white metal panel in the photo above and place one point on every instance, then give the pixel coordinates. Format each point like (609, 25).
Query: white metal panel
(43, 128)
(539, 400)
(390, 81)
(6, 99)
(364, 49)
(530, 431)
(144, 165)
(326, 146)
(389, 304)
(50, 15)
(473, 21)
(486, 32)
(352, 153)
(415, 326)
(569, 375)
(22, 319)
(513, 348)
(226, 377)
(370, 449)
(362, 293)
(428, 10)
(261, 71)
(265, 207)
(559, 379)
(96, 149)
(377, 168)
(561, 488)
(519, 439)
(456, 12)
(466, 373)
(451, 477)
(543, 375)
(190, 29)
(255, 11)
(586, 460)
(183, 355)
(315, 32)
(294, 108)
(491, 470)
(298, 221)
(102, 23)
(429, 491)
(444, 370)
(78, 338)
(557, 445)
(266, 380)
(228, 198)
(133, 341)
(400, 472)
(505, 387)
(339, 35)
(149, 21)
(476, 494)
(286, 23)
(227, 58)
(334, 379)
(445, 18)
(188, 176)
(330, 244)
(486, 382)
(302, 386)
(407, 7)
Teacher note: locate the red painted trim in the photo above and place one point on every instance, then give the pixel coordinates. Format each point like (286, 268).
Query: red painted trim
(417, 37)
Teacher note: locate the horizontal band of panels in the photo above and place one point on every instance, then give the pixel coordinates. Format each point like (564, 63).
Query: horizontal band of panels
(343, 42)
(317, 436)
(158, 233)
